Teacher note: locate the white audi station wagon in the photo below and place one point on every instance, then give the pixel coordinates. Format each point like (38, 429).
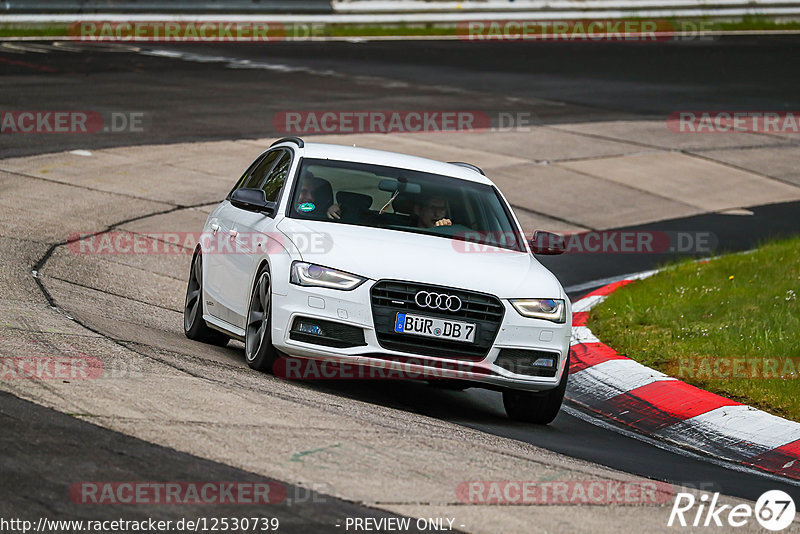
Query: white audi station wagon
(383, 260)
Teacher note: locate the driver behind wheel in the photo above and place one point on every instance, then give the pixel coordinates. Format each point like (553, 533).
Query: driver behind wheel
(430, 211)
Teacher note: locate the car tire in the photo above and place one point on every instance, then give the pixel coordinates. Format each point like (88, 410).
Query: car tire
(532, 407)
(259, 351)
(194, 327)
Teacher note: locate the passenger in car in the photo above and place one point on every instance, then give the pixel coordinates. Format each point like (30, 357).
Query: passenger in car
(314, 197)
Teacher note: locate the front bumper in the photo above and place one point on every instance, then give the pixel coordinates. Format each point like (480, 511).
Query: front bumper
(354, 308)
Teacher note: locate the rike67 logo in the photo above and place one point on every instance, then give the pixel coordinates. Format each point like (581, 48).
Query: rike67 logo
(774, 510)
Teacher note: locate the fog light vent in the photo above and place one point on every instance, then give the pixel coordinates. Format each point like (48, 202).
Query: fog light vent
(326, 333)
(528, 362)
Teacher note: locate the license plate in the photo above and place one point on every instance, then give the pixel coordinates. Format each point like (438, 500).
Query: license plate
(406, 323)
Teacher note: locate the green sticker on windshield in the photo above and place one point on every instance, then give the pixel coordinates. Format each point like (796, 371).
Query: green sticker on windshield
(306, 206)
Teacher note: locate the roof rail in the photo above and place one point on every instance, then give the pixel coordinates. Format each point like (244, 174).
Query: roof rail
(296, 140)
(468, 166)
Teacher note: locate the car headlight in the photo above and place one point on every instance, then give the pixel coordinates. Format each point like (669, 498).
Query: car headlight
(308, 274)
(549, 309)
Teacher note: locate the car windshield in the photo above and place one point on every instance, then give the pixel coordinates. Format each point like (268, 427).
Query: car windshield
(376, 196)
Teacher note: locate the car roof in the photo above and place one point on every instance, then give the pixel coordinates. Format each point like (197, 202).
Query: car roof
(391, 159)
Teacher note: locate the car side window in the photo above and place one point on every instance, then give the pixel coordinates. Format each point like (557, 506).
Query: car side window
(269, 172)
(254, 176)
(274, 181)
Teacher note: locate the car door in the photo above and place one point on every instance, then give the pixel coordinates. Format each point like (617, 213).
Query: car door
(220, 254)
(256, 231)
(216, 240)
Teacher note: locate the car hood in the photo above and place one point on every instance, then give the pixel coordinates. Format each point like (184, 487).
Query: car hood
(390, 254)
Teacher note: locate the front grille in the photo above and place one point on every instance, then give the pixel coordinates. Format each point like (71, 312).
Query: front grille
(520, 361)
(390, 297)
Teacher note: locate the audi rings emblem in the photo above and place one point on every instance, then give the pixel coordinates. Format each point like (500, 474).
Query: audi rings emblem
(438, 301)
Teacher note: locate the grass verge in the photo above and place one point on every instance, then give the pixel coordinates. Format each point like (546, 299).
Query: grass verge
(690, 27)
(730, 325)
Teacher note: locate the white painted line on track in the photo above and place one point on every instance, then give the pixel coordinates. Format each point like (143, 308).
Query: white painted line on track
(22, 48)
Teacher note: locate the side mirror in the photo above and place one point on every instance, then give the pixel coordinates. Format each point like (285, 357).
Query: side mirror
(253, 200)
(547, 243)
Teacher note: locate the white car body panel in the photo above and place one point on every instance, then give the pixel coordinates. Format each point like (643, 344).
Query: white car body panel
(378, 253)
